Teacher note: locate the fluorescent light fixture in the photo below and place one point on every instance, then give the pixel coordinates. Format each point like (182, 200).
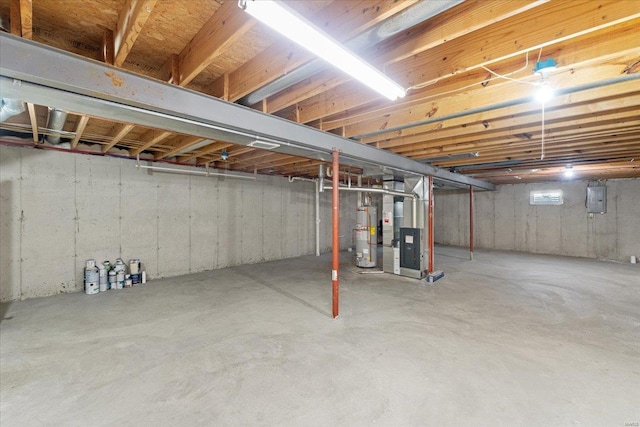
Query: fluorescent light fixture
(296, 28)
(263, 144)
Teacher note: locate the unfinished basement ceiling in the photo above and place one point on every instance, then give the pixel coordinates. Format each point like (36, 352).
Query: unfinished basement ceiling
(459, 114)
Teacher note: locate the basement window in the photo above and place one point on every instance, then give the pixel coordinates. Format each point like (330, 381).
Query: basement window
(546, 197)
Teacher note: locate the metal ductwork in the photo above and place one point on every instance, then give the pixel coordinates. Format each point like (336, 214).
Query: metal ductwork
(10, 108)
(404, 20)
(55, 123)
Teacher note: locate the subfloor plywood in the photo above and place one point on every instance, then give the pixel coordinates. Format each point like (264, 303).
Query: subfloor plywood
(508, 339)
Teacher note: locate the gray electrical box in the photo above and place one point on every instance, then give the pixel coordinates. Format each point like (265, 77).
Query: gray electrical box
(597, 199)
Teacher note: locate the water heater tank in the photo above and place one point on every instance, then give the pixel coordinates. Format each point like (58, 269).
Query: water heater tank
(366, 236)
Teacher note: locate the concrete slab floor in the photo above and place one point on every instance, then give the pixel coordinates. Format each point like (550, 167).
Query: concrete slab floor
(508, 339)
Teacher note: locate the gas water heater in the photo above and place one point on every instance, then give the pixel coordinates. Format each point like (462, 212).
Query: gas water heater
(366, 235)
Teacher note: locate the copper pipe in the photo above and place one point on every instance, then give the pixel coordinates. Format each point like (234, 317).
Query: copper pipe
(471, 222)
(431, 239)
(335, 262)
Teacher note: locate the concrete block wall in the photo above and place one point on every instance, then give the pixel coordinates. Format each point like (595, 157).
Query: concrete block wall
(59, 209)
(505, 220)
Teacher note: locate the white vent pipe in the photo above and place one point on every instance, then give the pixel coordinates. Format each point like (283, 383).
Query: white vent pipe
(57, 119)
(10, 108)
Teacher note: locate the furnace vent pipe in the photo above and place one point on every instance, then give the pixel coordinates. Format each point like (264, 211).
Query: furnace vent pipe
(10, 108)
(57, 119)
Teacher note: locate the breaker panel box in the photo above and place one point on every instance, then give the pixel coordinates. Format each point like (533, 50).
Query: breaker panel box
(597, 199)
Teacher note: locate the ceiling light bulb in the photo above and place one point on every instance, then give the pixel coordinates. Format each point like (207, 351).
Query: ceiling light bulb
(296, 28)
(544, 93)
(224, 155)
(568, 173)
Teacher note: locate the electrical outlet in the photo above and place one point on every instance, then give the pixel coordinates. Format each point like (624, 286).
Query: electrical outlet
(590, 215)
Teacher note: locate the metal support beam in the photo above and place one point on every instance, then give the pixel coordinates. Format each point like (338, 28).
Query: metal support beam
(335, 247)
(48, 76)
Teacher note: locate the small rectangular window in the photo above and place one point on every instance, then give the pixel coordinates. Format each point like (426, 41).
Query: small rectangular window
(545, 197)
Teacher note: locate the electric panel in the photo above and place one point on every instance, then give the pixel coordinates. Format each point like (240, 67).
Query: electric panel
(597, 199)
(410, 248)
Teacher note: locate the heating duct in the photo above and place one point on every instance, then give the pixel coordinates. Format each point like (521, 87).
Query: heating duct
(10, 108)
(55, 123)
(404, 20)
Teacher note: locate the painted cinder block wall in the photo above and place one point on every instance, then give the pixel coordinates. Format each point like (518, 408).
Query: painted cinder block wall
(505, 220)
(59, 209)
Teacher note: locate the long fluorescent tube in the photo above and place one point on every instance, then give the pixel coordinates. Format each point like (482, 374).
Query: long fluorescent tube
(296, 28)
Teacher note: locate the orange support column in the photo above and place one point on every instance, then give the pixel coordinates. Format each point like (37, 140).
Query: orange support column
(335, 263)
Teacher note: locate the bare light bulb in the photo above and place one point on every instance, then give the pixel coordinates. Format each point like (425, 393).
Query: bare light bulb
(544, 93)
(568, 173)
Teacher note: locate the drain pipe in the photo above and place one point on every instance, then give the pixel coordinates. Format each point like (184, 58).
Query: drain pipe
(55, 123)
(402, 21)
(10, 108)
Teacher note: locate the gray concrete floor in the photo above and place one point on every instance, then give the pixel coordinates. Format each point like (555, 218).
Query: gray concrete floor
(508, 339)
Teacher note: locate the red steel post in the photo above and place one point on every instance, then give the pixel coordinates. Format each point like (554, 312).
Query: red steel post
(335, 263)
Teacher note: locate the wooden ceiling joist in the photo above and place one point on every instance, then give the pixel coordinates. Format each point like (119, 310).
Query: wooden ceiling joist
(149, 139)
(22, 18)
(227, 25)
(34, 121)
(82, 124)
(116, 134)
(131, 20)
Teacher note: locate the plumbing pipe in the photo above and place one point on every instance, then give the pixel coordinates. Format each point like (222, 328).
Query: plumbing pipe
(373, 190)
(321, 178)
(55, 123)
(471, 222)
(193, 172)
(10, 108)
(300, 178)
(506, 104)
(430, 227)
(335, 246)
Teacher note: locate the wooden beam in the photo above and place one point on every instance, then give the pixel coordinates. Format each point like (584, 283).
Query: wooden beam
(228, 24)
(116, 134)
(220, 87)
(149, 139)
(82, 124)
(107, 47)
(21, 14)
(179, 144)
(131, 20)
(218, 146)
(34, 121)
